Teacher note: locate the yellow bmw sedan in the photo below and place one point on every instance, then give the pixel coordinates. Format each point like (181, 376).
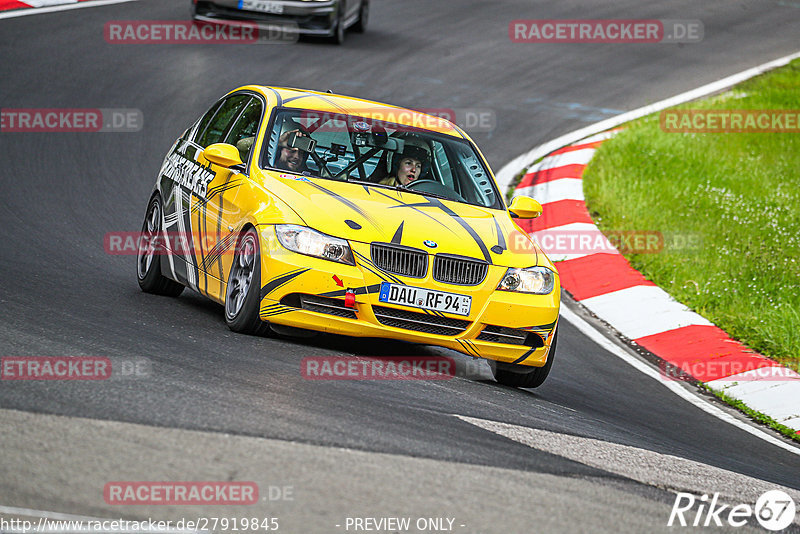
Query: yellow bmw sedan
(331, 213)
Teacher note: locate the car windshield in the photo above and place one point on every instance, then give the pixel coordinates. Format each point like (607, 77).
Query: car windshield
(378, 153)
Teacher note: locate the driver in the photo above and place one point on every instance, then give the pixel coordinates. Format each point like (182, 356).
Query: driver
(410, 164)
(291, 159)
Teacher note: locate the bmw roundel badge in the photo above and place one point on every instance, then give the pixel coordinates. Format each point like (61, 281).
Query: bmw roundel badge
(430, 244)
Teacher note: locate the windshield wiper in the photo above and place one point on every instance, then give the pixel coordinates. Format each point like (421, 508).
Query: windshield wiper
(400, 188)
(364, 182)
(423, 193)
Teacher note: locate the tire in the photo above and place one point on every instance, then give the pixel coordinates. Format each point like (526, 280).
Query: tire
(337, 37)
(244, 288)
(148, 261)
(363, 17)
(518, 376)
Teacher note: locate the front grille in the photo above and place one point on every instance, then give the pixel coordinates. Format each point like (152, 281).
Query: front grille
(319, 304)
(510, 336)
(459, 270)
(213, 10)
(420, 322)
(400, 260)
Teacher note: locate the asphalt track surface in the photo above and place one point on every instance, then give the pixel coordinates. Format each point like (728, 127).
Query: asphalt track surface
(62, 192)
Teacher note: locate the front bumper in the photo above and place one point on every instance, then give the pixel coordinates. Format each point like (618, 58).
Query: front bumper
(307, 18)
(307, 292)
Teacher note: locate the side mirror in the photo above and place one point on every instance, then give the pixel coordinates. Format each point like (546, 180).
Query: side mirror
(525, 208)
(223, 154)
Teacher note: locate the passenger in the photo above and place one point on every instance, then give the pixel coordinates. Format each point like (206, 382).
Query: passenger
(291, 159)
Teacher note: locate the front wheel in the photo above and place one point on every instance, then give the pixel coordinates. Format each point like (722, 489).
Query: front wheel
(337, 37)
(519, 376)
(244, 288)
(149, 252)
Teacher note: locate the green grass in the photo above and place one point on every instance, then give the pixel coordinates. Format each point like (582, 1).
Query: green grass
(734, 198)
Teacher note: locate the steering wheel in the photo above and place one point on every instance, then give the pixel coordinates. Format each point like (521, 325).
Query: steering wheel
(422, 182)
(428, 185)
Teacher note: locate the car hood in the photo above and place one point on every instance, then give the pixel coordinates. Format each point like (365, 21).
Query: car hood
(368, 214)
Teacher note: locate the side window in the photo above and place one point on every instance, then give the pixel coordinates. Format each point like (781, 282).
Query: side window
(218, 126)
(204, 120)
(443, 164)
(243, 132)
(475, 185)
(285, 121)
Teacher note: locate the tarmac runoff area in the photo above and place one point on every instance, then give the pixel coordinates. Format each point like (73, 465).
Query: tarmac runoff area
(311, 488)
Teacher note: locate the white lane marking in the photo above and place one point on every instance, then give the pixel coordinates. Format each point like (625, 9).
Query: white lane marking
(641, 311)
(58, 516)
(574, 157)
(45, 3)
(643, 465)
(601, 340)
(599, 137)
(66, 7)
(507, 173)
(553, 191)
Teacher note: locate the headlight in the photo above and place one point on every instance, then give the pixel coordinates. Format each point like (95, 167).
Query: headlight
(307, 241)
(536, 280)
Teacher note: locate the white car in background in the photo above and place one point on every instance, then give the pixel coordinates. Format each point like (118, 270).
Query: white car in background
(323, 18)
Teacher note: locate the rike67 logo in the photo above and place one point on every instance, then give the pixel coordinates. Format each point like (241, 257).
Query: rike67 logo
(774, 510)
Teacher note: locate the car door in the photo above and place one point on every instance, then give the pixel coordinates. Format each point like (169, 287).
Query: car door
(223, 212)
(195, 194)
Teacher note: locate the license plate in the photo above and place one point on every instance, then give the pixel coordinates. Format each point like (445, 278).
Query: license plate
(263, 6)
(427, 299)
